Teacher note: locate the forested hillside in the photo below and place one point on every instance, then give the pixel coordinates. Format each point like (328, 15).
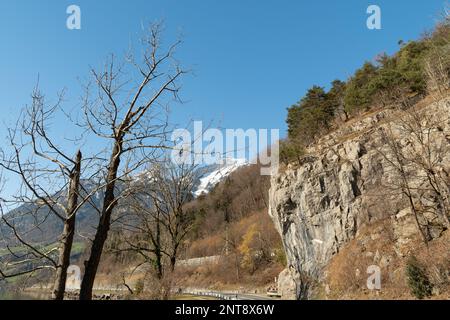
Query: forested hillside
(420, 66)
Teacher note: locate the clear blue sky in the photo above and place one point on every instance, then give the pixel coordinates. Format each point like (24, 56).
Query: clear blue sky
(252, 58)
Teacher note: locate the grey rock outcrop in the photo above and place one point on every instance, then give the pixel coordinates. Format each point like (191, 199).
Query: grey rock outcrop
(320, 204)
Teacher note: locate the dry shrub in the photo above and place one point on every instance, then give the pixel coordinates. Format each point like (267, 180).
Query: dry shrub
(347, 271)
(436, 260)
(244, 192)
(156, 289)
(250, 259)
(375, 245)
(205, 247)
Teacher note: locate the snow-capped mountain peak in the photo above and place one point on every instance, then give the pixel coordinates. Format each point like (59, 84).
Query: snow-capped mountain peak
(211, 179)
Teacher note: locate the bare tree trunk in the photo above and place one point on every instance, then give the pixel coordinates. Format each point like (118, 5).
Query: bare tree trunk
(68, 233)
(105, 114)
(416, 216)
(399, 163)
(237, 265)
(173, 261)
(109, 202)
(158, 253)
(442, 207)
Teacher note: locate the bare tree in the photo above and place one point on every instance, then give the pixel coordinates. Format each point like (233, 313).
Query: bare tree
(176, 182)
(437, 69)
(69, 230)
(144, 224)
(159, 221)
(403, 175)
(437, 62)
(125, 113)
(50, 188)
(417, 150)
(428, 150)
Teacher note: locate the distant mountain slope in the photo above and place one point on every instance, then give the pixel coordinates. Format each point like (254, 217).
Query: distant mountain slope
(50, 226)
(215, 174)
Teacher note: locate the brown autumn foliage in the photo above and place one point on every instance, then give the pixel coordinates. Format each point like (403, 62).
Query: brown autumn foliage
(231, 221)
(240, 195)
(347, 272)
(251, 257)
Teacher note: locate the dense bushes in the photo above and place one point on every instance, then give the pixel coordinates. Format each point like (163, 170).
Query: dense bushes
(291, 151)
(416, 67)
(418, 281)
(311, 117)
(313, 114)
(308, 117)
(359, 92)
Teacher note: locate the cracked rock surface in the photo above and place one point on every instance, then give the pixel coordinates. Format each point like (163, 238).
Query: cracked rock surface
(320, 204)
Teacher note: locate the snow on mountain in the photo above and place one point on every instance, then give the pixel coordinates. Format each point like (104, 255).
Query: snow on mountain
(211, 179)
(206, 177)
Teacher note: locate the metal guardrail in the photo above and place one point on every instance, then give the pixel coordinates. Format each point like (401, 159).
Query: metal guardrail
(218, 295)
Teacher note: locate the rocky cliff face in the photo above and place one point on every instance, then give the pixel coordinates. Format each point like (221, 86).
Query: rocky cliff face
(349, 180)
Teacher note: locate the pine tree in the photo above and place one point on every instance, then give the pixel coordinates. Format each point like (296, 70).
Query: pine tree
(418, 281)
